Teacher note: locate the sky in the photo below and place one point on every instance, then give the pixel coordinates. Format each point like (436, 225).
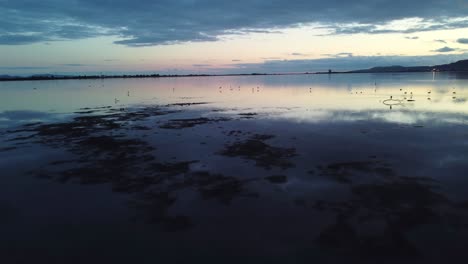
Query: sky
(217, 37)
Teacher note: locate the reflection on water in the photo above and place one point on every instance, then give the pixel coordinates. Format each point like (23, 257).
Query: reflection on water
(352, 92)
(359, 168)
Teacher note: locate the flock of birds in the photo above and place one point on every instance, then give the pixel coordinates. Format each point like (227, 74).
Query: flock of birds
(406, 95)
(220, 89)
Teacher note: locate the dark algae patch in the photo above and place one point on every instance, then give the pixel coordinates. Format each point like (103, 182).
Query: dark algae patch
(218, 186)
(395, 195)
(103, 153)
(345, 172)
(395, 207)
(357, 210)
(109, 143)
(86, 125)
(342, 239)
(7, 149)
(188, 104)
(263, 154)
(191, 122)
(278, 179)
(248, 115)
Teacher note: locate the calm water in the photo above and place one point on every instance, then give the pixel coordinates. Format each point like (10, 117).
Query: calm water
(311, 95)
(356, 168)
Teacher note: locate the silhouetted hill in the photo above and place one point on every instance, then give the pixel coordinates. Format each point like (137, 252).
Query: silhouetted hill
(456, 66)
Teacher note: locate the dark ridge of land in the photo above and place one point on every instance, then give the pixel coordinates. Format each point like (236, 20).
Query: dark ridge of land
(49, 77)
(459, 66)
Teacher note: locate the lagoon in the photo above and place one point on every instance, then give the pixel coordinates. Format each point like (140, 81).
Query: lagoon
(359, 168)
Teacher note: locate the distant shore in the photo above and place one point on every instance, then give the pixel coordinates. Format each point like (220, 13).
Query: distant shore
(459, 66)
(143, 76)
(135, 76)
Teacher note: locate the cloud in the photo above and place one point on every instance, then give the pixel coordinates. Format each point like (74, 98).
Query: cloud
(339, 55)
(18, 39)
(148, 22)
(444, 49)
(298, 54)
(271, 58)
(440, 41)
(201, 65)
(74, 65)
(462, 40)
(415, 37)
(26, 68)
(405, 26)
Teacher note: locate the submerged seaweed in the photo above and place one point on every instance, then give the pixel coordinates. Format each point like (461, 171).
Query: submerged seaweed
(263, 154)
(186, 123)
(105, 154)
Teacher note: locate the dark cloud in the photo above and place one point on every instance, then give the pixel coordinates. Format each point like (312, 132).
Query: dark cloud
(415, 37)
(445, 49)
(298, 54)
(423, 25)
(271, 58)
(462, 40)
(149, 22)
(26, 68)
(244, 31)
(201, 65)
(440, 41)
(18, 39)
(74, 65)
(339, 55)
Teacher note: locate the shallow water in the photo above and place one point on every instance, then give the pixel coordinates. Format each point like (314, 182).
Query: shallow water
(299, 168)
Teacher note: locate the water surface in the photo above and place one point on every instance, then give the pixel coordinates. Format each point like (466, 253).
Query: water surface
(353, 167)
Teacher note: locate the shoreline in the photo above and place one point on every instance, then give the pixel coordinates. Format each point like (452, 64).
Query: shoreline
(155, 76)
(138, 76)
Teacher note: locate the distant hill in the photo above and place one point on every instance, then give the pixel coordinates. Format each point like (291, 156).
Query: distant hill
(456, 66)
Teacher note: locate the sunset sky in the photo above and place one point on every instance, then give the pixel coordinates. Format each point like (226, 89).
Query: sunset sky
(243, 36)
